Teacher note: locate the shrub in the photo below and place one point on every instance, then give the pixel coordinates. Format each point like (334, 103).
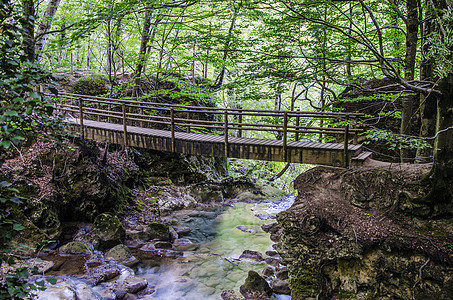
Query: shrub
(93, 85)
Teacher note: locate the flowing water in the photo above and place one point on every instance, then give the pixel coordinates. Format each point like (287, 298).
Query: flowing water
(214, 266)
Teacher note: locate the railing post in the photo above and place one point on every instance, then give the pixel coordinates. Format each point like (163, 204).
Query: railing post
(346, 145)
(81, 117)
(225, 131)
(355, 140)
(172, 126)
(141, 115)
(188, 122)
(296, 137)
(123, 108)
(98, 106)
(240, 126)
(285, 136)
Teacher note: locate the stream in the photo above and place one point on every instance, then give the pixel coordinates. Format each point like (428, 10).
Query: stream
(222, 236)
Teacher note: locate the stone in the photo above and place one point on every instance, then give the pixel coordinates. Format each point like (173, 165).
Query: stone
(122, 254)
(61, 290)
(265, 217)
(280, 287)
(271, 253)
(255, 287)
(268, 271)
(275, 262)
(184, 245)
(67, 289)
(75, 248)
(244, 229)
(101, 273)
(162, 245)
(251, 255)
(182, 230)
(229, 295)
(158, 231)
(149, 251)
(107, 231)
(283, 274)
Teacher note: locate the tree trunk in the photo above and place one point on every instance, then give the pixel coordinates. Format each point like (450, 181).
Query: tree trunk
(221, 76)
(28, 35)
(45, 25)
(411, 52)
(441, 176)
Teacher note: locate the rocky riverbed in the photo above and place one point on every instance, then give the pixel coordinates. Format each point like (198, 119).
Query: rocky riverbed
(115, 219)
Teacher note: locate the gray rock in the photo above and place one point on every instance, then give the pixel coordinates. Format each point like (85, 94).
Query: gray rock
(244, 229)
(283, 274)
(67, 289)
(255, 287)
(280, 287)
(184, 245)
(251, 255)
(149, 251)
(268, 271)
(123, 255)
(275, 262)
(158, 231)
(229, 295)
(75, 248)
(182, 230)
(162, 245)
(271, 253)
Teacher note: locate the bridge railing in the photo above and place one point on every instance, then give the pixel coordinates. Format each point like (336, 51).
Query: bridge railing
(285, 125)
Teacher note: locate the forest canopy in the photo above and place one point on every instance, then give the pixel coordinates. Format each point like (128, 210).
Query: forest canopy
(281, 55)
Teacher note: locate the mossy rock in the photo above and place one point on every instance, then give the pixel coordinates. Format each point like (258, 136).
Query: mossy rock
(108, 231)
(255, 287)
(93, 85)
(158, 231)
(75, 248)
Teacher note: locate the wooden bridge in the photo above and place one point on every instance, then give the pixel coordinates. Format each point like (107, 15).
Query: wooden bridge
(217, 132)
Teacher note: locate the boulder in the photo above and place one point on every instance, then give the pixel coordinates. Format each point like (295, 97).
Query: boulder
(255, 287)
(158, 231)
(251, 255)
(106, 232)
(67, 289)
(280, 287)
(122, 254)
(75, 248)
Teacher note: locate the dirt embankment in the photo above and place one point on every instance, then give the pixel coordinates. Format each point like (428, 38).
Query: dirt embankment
(367, 232)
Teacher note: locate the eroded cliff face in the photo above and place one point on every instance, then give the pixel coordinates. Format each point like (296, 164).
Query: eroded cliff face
(366, 234)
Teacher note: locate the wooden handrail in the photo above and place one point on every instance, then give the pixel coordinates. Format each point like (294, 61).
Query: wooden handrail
(211, 109)
(184, 118)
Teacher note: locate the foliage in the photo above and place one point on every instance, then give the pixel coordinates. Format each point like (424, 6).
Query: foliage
(263, 172)
(24, 110)
(396, 141)
(94, 85)
(441, 43)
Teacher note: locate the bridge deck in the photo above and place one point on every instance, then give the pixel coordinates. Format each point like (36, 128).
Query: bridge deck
(214, 145)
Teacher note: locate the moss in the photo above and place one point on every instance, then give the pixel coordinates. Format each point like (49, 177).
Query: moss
(75, 248)
(159, 231)
(304, 284)
(93, 85)
(346, 295)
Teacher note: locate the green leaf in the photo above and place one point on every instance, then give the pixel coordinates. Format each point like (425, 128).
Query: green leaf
(18, 227)
(6, 144)
(5, 184)
(51, 280)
